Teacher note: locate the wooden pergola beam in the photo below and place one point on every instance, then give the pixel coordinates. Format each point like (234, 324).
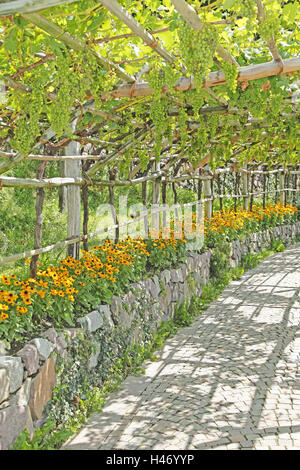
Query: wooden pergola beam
(246, 73)
(27, 6)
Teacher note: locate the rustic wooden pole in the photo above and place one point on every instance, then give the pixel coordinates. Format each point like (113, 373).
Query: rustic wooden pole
(156, 187)
(199, 186)
(112, 176)
(40, 197)
(281, 188)
(235, 190)
(264, 188)
(72, 168)
(62, 191)
(84, 190)
(144, 201)
(245, 189)
(276, 197)
(295, 189)
(207, 195)
(252, 191)
(164, 201)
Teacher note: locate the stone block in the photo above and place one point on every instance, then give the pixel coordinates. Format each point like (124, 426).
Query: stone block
(22, 395)
(92, 321)
(104, 310)
(13, 420)
(41, 388)
(4, 384)
(3, 348)
(15, 370)
(43, 346)
(93, 360)
(30, 358)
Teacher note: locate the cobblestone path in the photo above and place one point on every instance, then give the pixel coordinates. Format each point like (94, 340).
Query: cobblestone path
(229, 381)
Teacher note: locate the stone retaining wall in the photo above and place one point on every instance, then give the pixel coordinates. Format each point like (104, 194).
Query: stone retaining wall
(257, 242)
(28, 378)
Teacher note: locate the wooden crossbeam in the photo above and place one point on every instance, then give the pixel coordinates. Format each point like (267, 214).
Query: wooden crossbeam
(246, 73)
(27, 6)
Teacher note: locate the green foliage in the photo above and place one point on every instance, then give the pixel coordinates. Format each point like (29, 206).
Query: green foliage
(219, 262)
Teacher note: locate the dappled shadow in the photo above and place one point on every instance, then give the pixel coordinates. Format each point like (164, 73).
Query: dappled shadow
(231, 379)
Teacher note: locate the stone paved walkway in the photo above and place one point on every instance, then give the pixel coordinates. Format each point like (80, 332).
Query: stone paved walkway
(229, 381)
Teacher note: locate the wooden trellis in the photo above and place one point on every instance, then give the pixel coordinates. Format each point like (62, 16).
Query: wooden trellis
(81, 171)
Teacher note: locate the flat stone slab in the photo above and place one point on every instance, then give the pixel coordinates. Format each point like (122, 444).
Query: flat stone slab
(15, 370)
(30, 358)
(92, 321)
(229, 381)
(44, 347)
(41, 388)
(13, 420)
(4, 385)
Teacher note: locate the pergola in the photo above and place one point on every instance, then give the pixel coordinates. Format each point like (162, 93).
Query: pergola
(159, 91)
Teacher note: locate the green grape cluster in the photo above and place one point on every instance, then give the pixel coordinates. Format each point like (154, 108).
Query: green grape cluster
(182, 119)
(158, 115)
(247, 9)
(197, 50)
(28, 124)
(269, 28)
(231, 73)
(196, 98)
(144, 159)
(156, 81)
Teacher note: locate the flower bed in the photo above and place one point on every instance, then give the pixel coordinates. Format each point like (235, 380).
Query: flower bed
(58, 376)
(64, 292)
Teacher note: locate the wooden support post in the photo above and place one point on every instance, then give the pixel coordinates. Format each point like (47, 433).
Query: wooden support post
(164, 201)
(199, 186)
(40, 196)
(72, 168)
(112, 176)
(155, 218)
(85, 189)
(235, 191)
(295, 185)
(264, 188)
(281, 188)
(245, 189)
(276, 189)
(62, 191)
(144, 201)
(207, 195)
(252, 191)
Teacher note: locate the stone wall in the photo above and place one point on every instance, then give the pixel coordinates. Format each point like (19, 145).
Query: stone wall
(28, 378)
(257, 242)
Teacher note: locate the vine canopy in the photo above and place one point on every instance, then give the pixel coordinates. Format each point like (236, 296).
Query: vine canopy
(151, 79)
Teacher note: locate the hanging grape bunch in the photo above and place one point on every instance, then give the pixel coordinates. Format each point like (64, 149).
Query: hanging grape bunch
(198, 49)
